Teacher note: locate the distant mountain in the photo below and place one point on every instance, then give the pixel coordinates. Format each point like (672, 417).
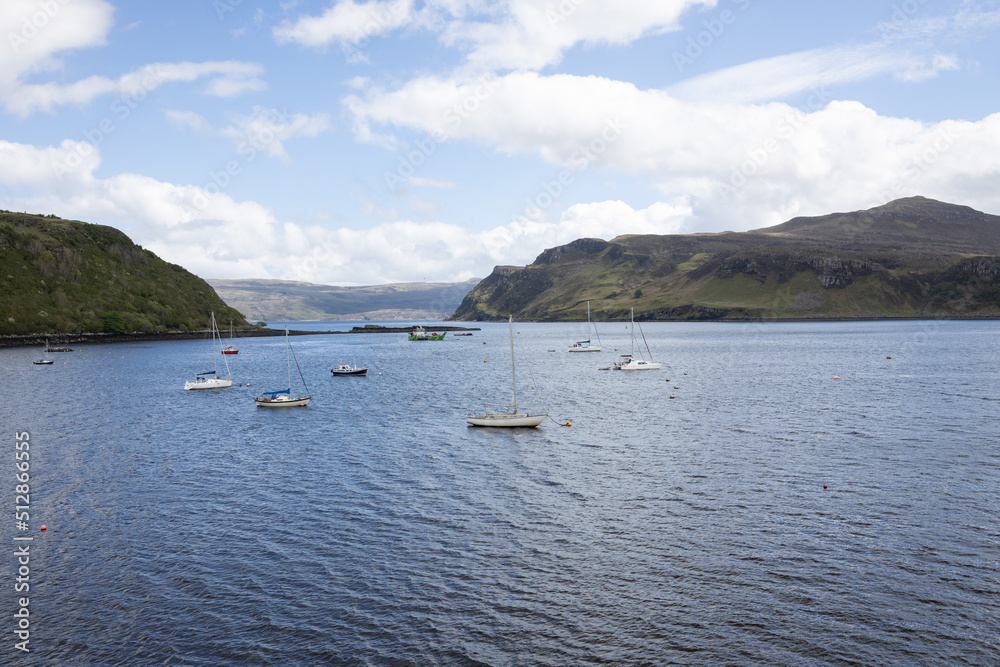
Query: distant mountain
(913, 257)
(297, 301)
(65, 276)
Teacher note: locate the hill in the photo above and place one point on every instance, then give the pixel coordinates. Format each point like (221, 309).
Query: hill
(298, 301)
(65, 276)
(913, 257)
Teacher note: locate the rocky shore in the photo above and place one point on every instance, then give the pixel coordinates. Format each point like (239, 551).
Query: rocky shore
(30, 340)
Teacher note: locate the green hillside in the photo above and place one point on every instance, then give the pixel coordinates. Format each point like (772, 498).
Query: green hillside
(913, 257)
(65, 276)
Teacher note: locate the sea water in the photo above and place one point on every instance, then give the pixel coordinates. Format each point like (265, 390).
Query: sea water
(778, 493)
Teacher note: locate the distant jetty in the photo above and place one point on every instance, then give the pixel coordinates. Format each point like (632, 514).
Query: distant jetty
(28, 340)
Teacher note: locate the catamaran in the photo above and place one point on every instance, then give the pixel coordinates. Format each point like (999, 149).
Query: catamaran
(587, 345)
(211, 379)
(629, 361)
(507, 419)
(283, 397)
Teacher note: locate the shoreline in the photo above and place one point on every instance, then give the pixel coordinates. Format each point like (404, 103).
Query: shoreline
(31, 340)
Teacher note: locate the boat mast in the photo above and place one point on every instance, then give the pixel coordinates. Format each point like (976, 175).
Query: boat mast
(215, 368)
(288, 362)
(513, 372)
(632, 318)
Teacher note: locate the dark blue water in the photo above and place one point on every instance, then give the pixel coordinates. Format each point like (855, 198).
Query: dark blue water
(374, 527)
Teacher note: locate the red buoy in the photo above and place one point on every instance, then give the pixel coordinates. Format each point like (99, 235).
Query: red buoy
(43, 526)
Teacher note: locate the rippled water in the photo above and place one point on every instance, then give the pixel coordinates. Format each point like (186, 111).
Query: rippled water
(375, 527)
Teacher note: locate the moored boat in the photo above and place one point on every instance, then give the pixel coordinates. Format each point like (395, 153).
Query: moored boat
(283, 398)
(231, 348)
(211, 379)
(507, 419)
(419, 333)
(346, 370)
(629, 361)
(587, 345)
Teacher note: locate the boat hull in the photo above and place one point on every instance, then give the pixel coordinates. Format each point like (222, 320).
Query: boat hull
(638, 365)
(582, 348)
(282, 402)
(43, 362)
(506, 420)
(353, 372)
(210, 383)
(230, 352)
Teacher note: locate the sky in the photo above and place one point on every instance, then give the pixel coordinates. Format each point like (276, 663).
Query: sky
(354, 143)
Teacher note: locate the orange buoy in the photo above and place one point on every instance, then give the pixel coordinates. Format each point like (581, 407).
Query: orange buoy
(671, 395)
(44, 526)
(888, 357)
(569, 423)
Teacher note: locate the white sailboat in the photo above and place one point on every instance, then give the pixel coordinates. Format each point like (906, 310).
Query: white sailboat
(211, 379)
(507, 419)
(43, 361)
(283, 397)
(629, 361)
(587, 345)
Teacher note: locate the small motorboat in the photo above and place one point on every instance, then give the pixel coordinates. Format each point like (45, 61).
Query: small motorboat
(42, 362)
(347, 370)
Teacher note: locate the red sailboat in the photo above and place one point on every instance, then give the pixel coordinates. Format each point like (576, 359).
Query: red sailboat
(231, 349)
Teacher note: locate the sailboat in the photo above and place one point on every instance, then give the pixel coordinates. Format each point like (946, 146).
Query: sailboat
(43, 361)
(231, 349)
(211, 379)
(283, 397)
(629, 362)
(586, 345)
(507, 419)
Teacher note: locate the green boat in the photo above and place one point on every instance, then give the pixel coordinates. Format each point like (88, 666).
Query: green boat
(419, 333)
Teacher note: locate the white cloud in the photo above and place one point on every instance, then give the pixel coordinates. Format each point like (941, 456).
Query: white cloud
(38, 34)
(267, 129)
(226, 79)
(431, 183)
(782, 76)
(35, 33)
(514, 34)
(210, 234)
(189, 119)
(346, 22)
(771, 161)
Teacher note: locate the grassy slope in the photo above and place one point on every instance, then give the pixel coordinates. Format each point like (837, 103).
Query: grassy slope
(64, 276)
(908, 258)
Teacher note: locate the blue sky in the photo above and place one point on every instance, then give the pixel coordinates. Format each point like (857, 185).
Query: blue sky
(347, 142)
